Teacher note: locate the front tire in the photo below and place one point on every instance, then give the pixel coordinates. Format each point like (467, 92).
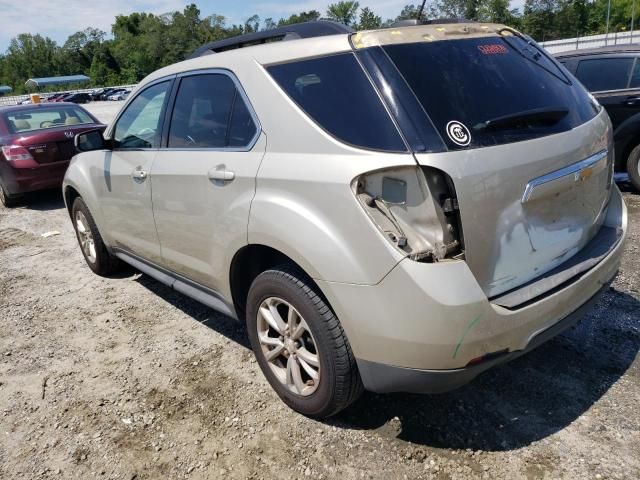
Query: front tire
(300, 345)
(91, 244)
(633, 167)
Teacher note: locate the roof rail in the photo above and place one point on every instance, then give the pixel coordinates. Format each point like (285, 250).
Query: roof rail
(317, 28)
(436, 21)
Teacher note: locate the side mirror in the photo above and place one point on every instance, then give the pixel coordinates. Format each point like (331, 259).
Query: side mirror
(90, 140)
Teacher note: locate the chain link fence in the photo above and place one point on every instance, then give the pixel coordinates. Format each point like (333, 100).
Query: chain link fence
(16, 99)
(592, 41)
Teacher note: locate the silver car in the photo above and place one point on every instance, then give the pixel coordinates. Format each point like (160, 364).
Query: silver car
(393, 210)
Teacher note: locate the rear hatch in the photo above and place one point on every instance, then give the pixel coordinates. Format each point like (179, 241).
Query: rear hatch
(528, 149)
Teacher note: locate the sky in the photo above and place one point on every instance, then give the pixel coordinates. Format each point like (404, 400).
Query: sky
(58, 19)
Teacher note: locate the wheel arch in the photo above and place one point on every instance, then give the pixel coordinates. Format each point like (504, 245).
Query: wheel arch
(249, 262)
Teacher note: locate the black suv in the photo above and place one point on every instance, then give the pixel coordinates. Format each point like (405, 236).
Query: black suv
(612, 74)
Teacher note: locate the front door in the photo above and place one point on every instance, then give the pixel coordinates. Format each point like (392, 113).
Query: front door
(126, 195)
(204, 181)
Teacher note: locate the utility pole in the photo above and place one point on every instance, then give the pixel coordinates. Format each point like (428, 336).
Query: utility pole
(606, 35)
(633, 11)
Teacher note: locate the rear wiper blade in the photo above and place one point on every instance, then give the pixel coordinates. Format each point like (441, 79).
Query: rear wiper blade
(546, 116)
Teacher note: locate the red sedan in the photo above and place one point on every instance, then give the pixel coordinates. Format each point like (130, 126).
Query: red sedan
(36, 144)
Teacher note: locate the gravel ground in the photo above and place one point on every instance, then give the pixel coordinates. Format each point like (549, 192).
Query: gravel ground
(123, 378)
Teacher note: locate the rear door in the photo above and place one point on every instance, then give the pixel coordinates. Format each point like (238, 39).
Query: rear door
(126, 191)
(528, 151)
(608, 78)
(204, 181)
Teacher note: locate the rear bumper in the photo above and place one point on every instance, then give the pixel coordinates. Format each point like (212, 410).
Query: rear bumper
(34, 177)
(383, 378)
(422, 325)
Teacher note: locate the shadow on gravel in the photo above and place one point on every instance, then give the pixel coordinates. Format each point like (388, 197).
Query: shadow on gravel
(218, 322)
(43, 201)
(521, 402)
(507, 407)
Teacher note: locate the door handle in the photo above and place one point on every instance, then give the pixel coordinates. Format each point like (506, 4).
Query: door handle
(632, 100)
(221, 174)
(139, 174)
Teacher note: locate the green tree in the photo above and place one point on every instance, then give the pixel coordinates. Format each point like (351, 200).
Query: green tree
(368, 20)
(301, 17)
(343, 12)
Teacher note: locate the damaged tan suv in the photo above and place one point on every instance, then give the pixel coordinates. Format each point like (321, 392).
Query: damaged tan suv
(394, 210)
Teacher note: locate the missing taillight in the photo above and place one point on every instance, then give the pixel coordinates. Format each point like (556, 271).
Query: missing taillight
(416, 209)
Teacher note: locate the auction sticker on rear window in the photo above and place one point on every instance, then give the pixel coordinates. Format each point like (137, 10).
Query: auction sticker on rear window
(458, 133)
(493, 49)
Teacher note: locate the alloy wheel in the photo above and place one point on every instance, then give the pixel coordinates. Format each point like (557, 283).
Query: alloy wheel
(86, 237)
(288, 346)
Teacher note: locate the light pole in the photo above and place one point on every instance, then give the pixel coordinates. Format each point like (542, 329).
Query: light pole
(606, 35)
(633, 11)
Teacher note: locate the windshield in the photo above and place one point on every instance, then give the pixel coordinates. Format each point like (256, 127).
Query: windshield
(467, 83)
(29, 120)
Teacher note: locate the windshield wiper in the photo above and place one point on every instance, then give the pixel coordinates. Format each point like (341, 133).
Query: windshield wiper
(532, 53)
(544, 116)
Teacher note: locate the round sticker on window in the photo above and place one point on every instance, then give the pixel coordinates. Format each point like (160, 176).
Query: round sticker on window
(458, 133)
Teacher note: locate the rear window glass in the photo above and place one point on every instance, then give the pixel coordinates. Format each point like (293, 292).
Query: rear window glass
(29, 120)
(604, 73)
(491, 90)
(337, 94)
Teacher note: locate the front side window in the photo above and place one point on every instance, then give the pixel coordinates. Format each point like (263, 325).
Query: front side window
(602, 74)
(335, 92)
(209, 112)
(139, 126)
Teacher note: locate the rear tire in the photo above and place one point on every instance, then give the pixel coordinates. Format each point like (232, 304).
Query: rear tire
(633, 167)
(7, 200)
(322, 347)
(91, 244)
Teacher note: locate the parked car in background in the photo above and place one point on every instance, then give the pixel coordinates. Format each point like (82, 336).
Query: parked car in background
(612, 75)
(78, 98)
(36, 144)
(397, 209)
(56, 96)
(113, 95)
(121, 95)
(95, 95)
(108, 91)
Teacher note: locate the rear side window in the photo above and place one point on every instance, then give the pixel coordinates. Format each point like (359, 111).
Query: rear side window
(209, 112)
(604, 73)
(335, 92)
(491, 90)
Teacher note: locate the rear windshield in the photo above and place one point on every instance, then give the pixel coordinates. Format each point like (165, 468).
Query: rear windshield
(491, 90)
(29, 120)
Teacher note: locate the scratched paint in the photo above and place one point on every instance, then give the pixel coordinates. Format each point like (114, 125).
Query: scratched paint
(469, 327)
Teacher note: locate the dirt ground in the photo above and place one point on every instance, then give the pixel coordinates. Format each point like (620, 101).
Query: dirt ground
(123, 378)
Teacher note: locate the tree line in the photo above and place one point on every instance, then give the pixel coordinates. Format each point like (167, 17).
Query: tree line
(142, 42)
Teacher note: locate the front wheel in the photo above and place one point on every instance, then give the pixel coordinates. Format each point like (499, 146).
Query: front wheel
(300, 345)
(93, 248)
(633, 167)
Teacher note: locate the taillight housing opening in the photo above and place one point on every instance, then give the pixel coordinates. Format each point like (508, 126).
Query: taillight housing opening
(16, 154)
(416, 209)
